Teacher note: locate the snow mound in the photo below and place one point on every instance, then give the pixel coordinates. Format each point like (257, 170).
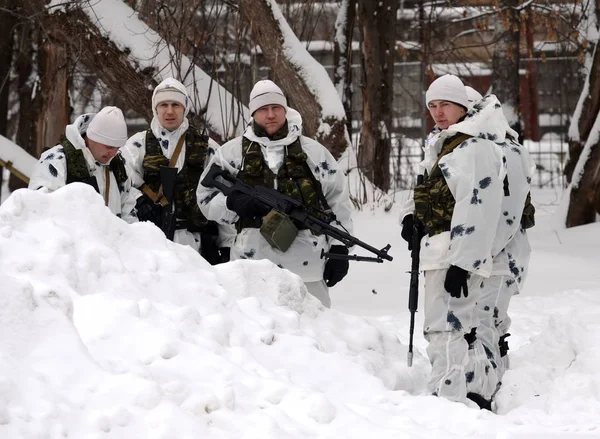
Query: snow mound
(108, 328)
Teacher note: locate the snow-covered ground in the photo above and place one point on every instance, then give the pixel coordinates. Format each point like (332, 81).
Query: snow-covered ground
(107, 330)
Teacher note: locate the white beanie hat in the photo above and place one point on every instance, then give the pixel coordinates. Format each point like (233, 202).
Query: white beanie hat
(472, 94)
(266, 92)
(170, 90)
(108, 127)
(447, 88)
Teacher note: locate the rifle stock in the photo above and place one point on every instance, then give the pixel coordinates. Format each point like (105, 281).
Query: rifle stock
(413, 293)
(226, 183)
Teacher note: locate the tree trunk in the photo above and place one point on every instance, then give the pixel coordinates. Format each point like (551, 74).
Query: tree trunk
(589, 111)
(7, 24)
(584, 202)
(505, 63)
(54, 113)
(342, 57)
(28, 110)
(584, 149)
(267, 33)
(378, 53)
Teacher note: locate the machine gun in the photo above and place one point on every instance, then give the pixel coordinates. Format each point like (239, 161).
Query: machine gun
(296, 211)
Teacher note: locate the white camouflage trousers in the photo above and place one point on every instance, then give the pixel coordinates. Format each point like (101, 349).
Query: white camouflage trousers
(320, 290)
(494, 322)
(456, 366)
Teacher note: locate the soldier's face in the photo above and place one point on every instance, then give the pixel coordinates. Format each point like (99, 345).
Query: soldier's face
(270, 117)
(445, 113)
(102, 153)
(170, 114)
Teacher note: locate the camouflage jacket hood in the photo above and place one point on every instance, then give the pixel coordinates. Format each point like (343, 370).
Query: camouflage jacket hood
(486, 120)
(274, 150)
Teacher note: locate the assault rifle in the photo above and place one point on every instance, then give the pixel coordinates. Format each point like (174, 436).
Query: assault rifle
(295, 210)
(167, 217)
(413, 292)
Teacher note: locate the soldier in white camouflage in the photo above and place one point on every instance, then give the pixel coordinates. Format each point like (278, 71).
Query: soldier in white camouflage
(273, 153)
(88, 153)
(172, 141)
(470, 216)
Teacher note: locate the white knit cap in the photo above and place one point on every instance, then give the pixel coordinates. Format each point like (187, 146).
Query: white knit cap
(472, 94)
(266, 92)
(169, 90)
(108, 127)
(447, 88)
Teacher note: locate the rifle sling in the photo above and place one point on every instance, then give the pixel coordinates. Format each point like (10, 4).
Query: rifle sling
(447, 149)
(159, 198)
(107, 182)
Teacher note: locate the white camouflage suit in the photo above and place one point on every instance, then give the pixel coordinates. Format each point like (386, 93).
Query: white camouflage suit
(482, 227)
(304, 256)
(50, 173)
(135, 150)
(511, 247)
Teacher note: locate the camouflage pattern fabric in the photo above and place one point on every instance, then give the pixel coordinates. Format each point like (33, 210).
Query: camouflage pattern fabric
(434, 202)
(77, 169)
(294, 178)
(186, 206)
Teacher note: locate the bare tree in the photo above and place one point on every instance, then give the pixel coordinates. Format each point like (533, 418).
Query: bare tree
(205, 33)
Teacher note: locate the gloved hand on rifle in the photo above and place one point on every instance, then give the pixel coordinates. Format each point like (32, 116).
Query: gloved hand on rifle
(408, 224)
(147, 210)
(456, 280)
(246, 206)
(336, 269)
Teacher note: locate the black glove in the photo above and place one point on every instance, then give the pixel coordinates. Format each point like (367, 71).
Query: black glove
(225, 253)
(503, 344)
(336, 269)
(456, 280)
(147, 210)
(407, 233)
(246, 206)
